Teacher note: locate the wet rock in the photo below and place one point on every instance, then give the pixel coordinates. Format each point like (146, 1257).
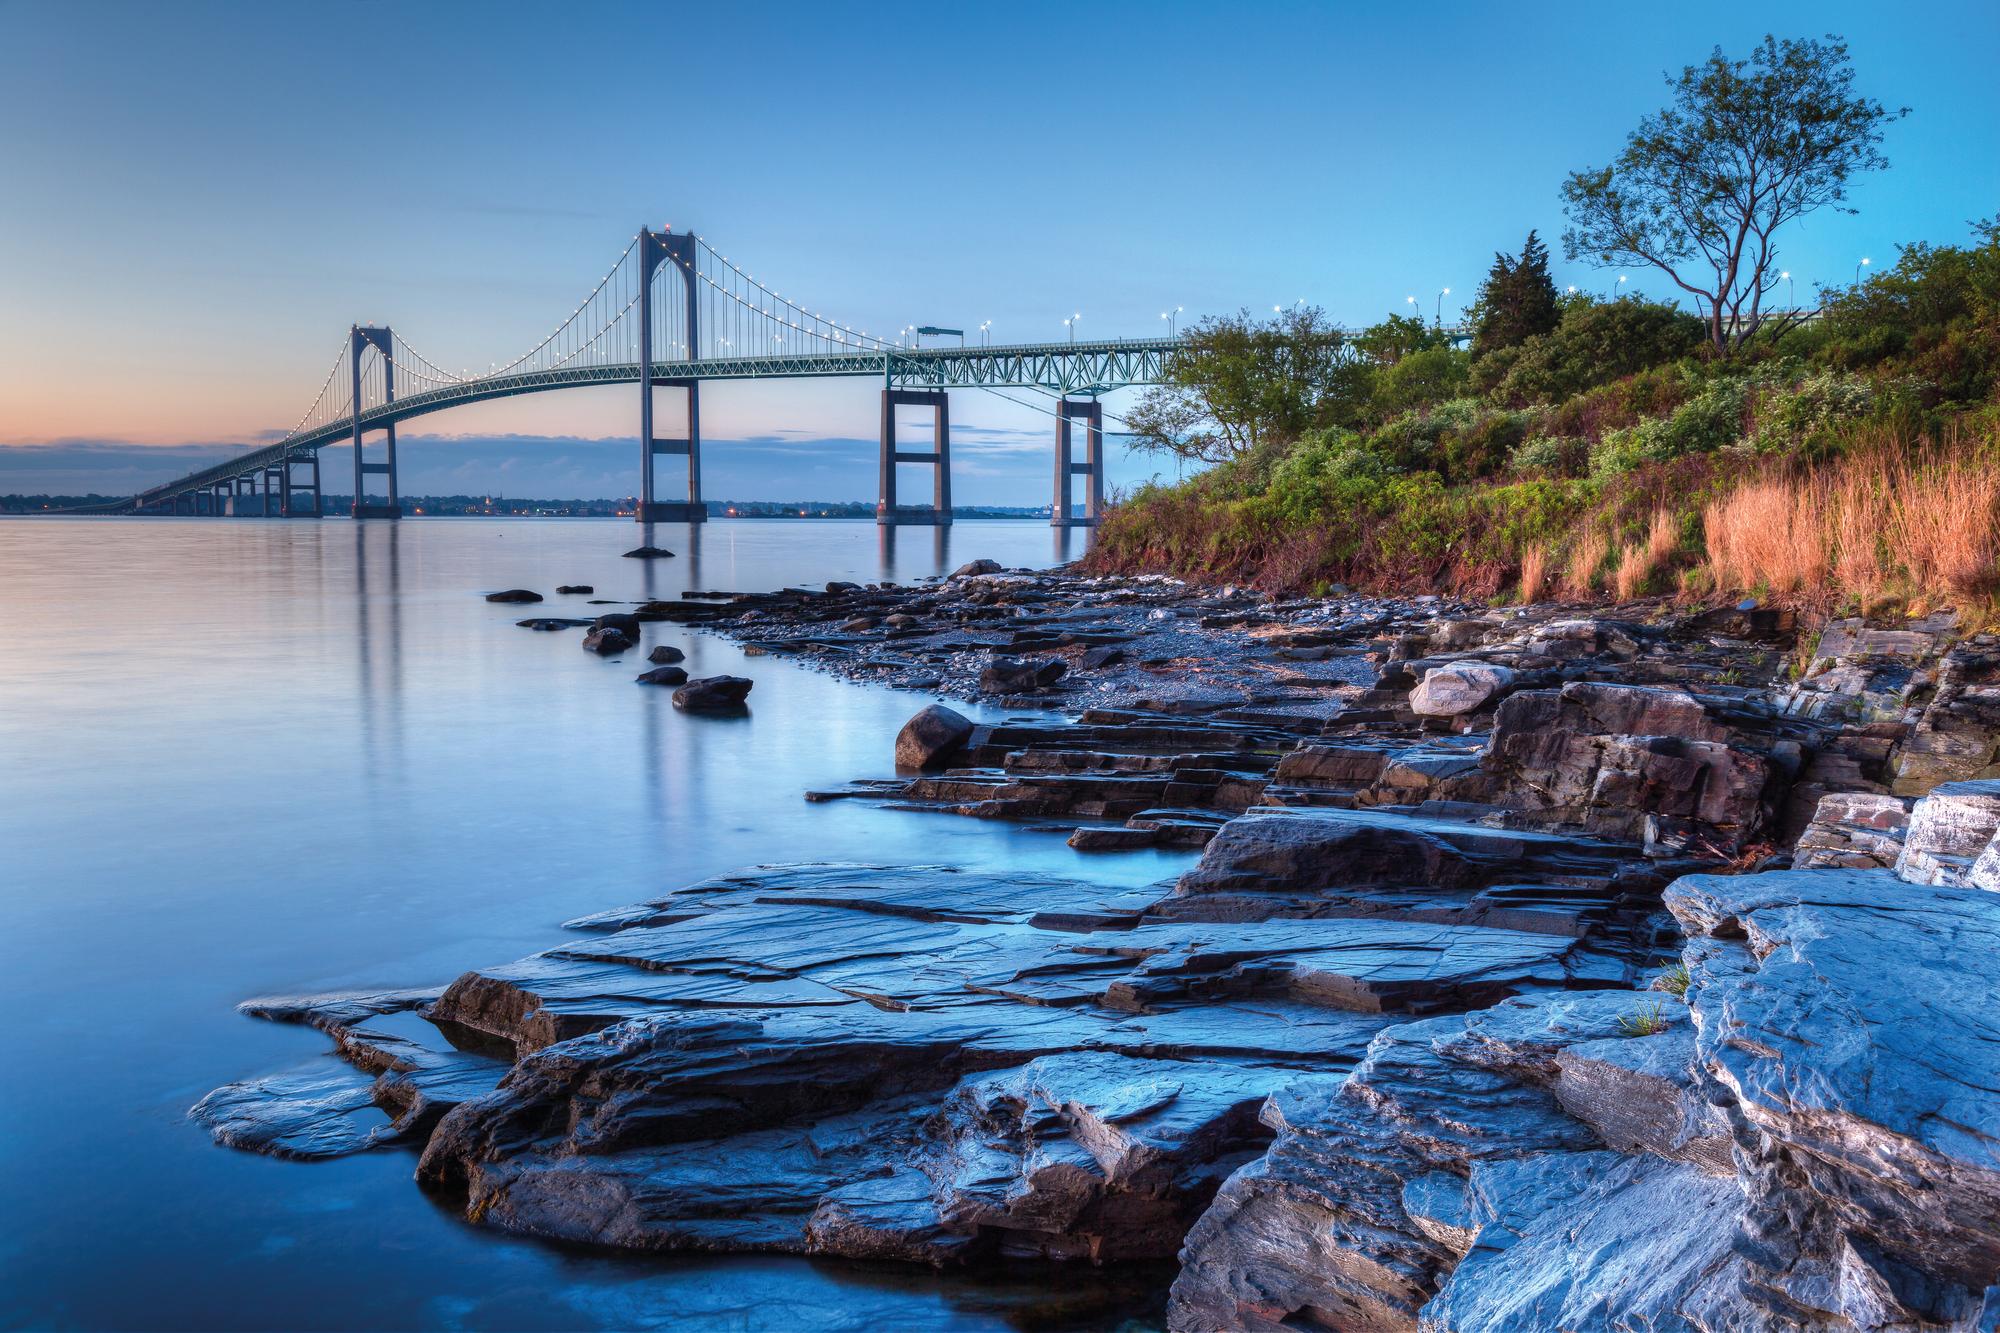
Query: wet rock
(623, 621)
(931, 737)
(713, 694)
(973, 568)
(547, 623)
(1021, 675)
(649, 553)
(664, 654)
(576, 589)
(839, 586)
(1459, 687)
(606, 642)
(666, 675)
(514, 595)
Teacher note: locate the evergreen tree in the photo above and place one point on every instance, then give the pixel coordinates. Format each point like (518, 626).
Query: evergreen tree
(1517, 301)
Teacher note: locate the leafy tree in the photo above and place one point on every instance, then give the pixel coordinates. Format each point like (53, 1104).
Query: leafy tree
(1420, 379)
(1241, 387)
(1517, 301)
(1396, 337)
(1935, 314)
(1703, 186)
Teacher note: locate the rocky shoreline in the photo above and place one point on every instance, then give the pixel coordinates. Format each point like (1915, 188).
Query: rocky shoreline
(1542, 968)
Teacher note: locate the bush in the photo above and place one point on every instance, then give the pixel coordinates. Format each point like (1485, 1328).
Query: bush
(1597, 342)
(1551, 455)
(1420, 379)
(1704, 423)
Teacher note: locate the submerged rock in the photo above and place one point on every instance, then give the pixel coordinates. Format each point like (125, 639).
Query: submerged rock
(575, 589)
(649, 553)
(514, 595)
(713, 694)
(666, 675)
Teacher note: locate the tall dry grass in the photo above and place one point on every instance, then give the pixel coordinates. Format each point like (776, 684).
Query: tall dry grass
(1585, 559)
(1920, 525)
(1638, 560)
(1534, 573)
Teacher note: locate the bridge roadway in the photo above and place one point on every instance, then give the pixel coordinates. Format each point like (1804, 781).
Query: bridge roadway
(910, 377)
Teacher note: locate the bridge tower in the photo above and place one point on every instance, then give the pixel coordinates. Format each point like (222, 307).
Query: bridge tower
(1091, 413)
(887, 511)
(657, 248)
(361, 337)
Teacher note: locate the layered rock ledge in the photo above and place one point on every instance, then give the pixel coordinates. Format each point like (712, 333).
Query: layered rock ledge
(1538, 971)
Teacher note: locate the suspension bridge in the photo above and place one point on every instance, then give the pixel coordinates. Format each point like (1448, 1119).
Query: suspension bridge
(670, 314)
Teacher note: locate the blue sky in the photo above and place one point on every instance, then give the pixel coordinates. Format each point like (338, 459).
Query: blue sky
(197, 199)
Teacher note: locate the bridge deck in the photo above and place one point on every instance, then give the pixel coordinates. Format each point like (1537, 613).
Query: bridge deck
(1057, 367)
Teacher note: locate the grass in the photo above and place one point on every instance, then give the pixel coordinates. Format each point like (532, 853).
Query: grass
(1585, 559)
(1534, 573)
(1649, 1020)
(1675, 981)
(1875, 523)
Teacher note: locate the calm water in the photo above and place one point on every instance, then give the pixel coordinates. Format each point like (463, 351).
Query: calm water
(246, 756)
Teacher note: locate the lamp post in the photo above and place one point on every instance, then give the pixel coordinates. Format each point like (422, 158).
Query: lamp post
(1618, 288)
(1865, 262)
(1411, 301)
(1438, 320)
(985, 338)
(1791, 290)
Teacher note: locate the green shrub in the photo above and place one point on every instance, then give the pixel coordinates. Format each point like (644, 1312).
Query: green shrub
(1551, 455)
(1598, 342)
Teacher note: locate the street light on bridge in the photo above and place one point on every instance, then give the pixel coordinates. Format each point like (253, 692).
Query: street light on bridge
(1791, 288)
(1172, 317)
(1442, 293)
(1865, 262)
(985, 338)
(1071, 324)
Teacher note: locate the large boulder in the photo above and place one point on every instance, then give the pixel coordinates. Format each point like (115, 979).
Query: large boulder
(606, 642)
(665, 654)
(713, 694)
(1459, 687)
(972, 568)
(931, 737)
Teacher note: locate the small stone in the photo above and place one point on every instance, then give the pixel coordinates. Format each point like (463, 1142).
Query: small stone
(840, 586)
(605, 642)
(712, 694)
(576, 589)
(932, 736)
(1097, 658)
(666, 675)
(665, 653)
(514, 595)
(1021, 675)
(649, 553)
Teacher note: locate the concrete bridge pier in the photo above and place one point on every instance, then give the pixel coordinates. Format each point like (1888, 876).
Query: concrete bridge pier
(677, 250)
(887, 511)
(361, 337)
(688, 446)
(290, 486)
(1091, 413)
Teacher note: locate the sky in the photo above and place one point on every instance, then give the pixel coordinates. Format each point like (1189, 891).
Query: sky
(197, 199)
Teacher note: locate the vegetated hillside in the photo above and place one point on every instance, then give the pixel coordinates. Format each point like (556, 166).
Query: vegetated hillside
(1849, 459)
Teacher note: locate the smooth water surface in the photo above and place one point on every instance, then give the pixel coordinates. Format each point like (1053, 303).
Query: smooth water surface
(244, 756)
